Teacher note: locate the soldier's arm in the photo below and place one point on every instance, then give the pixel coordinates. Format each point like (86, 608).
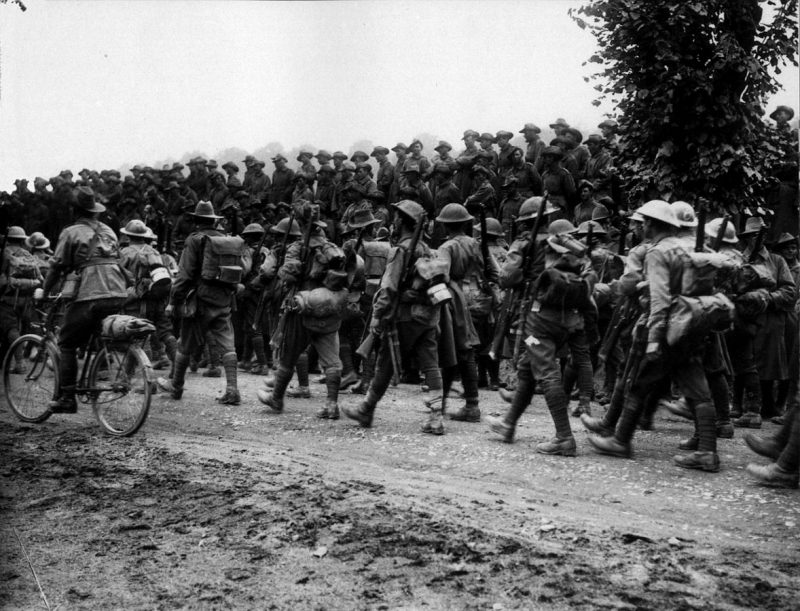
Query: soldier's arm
(660, 298)
(511, 273)
(443, 253)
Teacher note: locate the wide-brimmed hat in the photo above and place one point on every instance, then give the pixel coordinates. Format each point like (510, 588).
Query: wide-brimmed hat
(608, 123)
(443, 144)
(138, 229)
(399, 147)
(85, 200)
(784, 239)
(530, 127)
(783, 108)
(359, 155)
(752, 226)
(205, 210)
(554, 151)
(362, 218)
(470, 133)
(379, 150)
(575, 134)
(560, 123)
(37, 240)
(279, 157)
(231, 165)
(323, 154)
(302, 154)
(15, 232)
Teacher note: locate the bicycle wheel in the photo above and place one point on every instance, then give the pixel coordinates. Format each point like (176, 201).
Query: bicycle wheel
(30, 375)
(119, 388)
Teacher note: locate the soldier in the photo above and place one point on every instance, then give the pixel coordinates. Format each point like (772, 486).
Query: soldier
(484, 194)
(39, 246)
(576, 150)
(465, 265)
(151, 283)
(302, 192)
(486, 142)
(786, 246)
(86, 254)
(203, 294)
(599, 166)
(587, 204)
(247, 302)
(231, 170)
(504, 153)
(197, 180)
(282, 181)
(443, 156)
(399, 150)
(557, 182)
(510, 203)
(465, 161)
(385, 172)
(324, 195)
(338, 161)
(770, 293)
(561, 311)
(529, 183)
(359, 157)
(413, 188)
(217, 192)
(307, 169)
(315, 323)
(323, 157)
(535, 146)
(444, 192)
(363, 183)
(664, 270)
(416, 158)
(20, 276)
(608, 129)
(398, 304)
(375, 254)
(231, 222)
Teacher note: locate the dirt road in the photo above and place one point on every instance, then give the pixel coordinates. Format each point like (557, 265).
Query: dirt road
(218, 507)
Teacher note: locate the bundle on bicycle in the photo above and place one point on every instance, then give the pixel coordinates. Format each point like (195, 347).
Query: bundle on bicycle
(115, 376)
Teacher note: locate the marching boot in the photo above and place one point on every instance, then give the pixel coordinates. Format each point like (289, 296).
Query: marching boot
(435, 423)
(364, 412)
(214, 358)
(751, 418)
(274, 399)
(494, 373)
(330, 410)
(584, 407)
(231, 396)
(520, 399)
(174, 386)
(68, 370)
(470, 412)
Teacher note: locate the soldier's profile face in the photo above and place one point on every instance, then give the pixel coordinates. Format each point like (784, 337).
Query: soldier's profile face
(469, 140)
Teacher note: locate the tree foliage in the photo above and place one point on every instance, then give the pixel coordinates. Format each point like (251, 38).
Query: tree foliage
(19, 3)
(690, 80)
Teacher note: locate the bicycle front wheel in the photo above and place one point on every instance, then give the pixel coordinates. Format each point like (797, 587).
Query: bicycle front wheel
(30, 375)
(119, 388)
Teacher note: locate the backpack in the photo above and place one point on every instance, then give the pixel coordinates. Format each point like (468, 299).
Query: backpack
(23, 270)
(223, 259)
(562, 286)
(695, 317)
(701, 272)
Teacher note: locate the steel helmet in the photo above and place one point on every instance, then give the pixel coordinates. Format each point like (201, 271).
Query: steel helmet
(560, 226)
(138, 229)
(712, 230)
(493, 227)
(283, 226)
(16, 232)
(597, 228)
(659, 210)
(253, 228)
(37, 240)
(685, 214)
(411, 209)
(530, 208)
(454, 213)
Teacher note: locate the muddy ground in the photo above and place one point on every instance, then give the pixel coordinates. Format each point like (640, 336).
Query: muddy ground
(218, 507)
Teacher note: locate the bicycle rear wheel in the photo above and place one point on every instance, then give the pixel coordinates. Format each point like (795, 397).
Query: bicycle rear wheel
(30, 376)
(120, 396)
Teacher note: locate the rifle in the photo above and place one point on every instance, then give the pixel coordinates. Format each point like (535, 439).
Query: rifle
(589, 237)
(484, 242)
(717, 243)
(286, 309)
(524, 305)
(759, 243)
(699, 243)
(390, 334)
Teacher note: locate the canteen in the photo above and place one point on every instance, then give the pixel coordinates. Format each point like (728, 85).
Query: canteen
(160, 275)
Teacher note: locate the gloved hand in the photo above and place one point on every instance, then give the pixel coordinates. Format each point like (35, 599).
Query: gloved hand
(376, 327)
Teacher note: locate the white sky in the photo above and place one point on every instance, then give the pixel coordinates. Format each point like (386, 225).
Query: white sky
(102, 84)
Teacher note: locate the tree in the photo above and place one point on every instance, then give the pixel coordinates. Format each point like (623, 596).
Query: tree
(19, 3)
(690, 81)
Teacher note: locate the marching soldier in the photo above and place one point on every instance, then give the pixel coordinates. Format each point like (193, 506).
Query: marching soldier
(151, 283)
(664, 270)
(465, 266)
(210, 268)
(314, 316)
(399, 306)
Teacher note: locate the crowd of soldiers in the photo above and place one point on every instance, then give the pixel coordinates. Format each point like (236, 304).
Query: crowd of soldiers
(432, 271)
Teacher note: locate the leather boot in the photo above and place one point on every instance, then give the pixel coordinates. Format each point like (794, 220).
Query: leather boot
(751, 418)
(502, 428)
(174, 386)
(364, 411)
(704, 461)
(470, 412)
(435, 423)
(231, 396)
(558, 446)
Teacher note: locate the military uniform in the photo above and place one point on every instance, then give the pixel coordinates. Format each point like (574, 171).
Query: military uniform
(212, 318)
(87, 248)
(304, 329)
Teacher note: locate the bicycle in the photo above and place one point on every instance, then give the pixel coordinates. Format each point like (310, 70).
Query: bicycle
(115, 378)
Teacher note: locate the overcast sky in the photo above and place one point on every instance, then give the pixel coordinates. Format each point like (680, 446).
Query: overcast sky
(101, 84)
